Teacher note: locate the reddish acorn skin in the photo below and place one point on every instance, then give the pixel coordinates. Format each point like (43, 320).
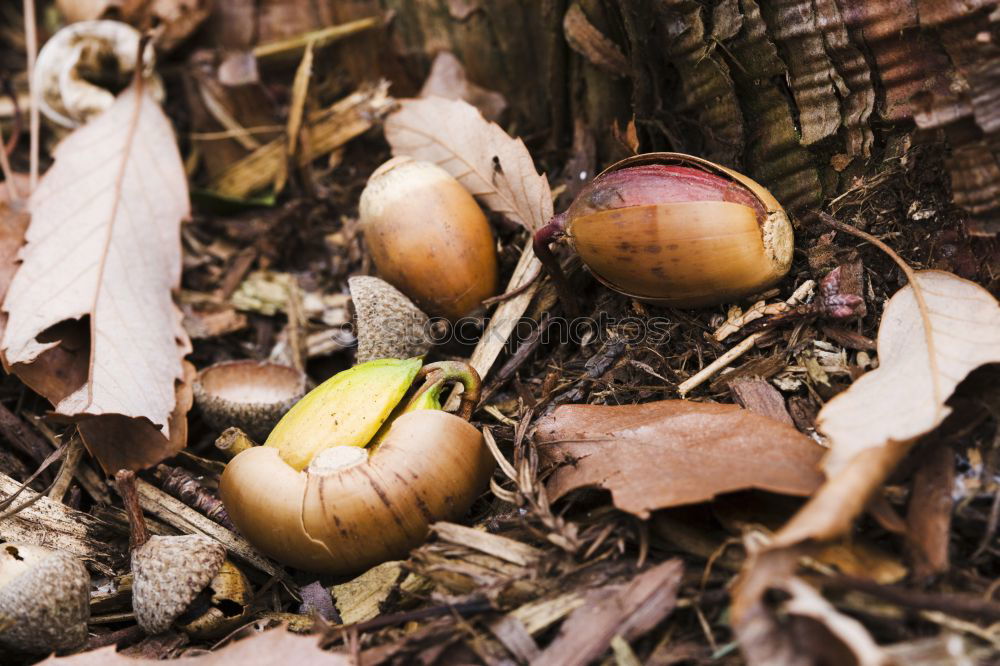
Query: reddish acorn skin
(674, 230)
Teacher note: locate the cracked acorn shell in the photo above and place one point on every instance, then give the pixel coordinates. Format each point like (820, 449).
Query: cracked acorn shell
(428, 237)
(44, 599)
(312, 502)
(677, 230)
(251, 395)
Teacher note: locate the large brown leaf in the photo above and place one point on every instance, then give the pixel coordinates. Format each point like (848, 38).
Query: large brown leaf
(104, 243)
(673, 452)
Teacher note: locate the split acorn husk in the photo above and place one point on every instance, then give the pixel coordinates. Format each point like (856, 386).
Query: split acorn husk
(352, 476)
(428, 237)
(674, 230)
(44, 599)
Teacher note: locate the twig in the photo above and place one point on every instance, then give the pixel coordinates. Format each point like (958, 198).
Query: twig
(31, 46)
(319, 37)
(21, 437)
(187, 520)
(181, 484)
(463, 609)
(743, 347)
(125, 483)
(8, 174)
(951, 604)
(85, 475)
(71, 459)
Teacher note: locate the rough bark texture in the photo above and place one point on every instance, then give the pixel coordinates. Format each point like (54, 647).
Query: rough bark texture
(804, 95)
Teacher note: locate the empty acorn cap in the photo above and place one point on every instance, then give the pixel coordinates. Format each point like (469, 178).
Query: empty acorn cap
(168, 574)
(251, 395)
(44, 599)
(389, 324)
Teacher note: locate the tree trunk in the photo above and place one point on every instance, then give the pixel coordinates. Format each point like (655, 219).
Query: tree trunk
(806, 96)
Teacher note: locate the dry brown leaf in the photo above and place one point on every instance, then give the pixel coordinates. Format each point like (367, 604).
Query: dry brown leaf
(276, 646)
(104, 243)
(493, 166)
(924, 351)
(673, 452)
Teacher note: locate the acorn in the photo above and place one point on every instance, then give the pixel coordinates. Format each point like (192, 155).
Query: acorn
(44, 599)
(251, 395)
(674, 230)
(389, 325)
(428, 237)
(183, 581)
(354, 475)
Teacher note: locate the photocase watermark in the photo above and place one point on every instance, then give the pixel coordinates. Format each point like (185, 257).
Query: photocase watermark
(547, 330)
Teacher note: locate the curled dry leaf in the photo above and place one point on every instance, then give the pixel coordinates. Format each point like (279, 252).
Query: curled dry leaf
(494, 167)
(934, 332)
(276, 646)
(104, 244)
(932, 335)
(673, 452)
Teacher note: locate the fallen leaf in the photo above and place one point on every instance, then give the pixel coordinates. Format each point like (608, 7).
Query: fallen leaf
(924, 350)
(448, 80)
(496, 168)
(104, 243)
(276, 646)
(627, 610)
(673, 452)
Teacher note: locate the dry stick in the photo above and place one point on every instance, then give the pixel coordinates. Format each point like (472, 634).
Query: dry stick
(71, 459)
(8, 174)
(138, 533)
(743, 347)
(177, 514)
(31, 46)
(319, 37)
(951, 604)
(21, 437)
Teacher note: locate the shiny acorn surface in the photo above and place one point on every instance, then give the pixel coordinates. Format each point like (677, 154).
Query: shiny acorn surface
(428, 237)
(676, 230)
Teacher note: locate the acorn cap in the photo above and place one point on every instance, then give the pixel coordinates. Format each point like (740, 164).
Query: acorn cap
(168, 574)
(389, 324)
(251, 395)
(44, 599)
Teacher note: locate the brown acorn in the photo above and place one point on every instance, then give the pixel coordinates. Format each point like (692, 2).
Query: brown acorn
(674, 230)
(251, 395)
(44, 599)
(428, 237)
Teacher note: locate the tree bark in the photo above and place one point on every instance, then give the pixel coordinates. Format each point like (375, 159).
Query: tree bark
(806, 96)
